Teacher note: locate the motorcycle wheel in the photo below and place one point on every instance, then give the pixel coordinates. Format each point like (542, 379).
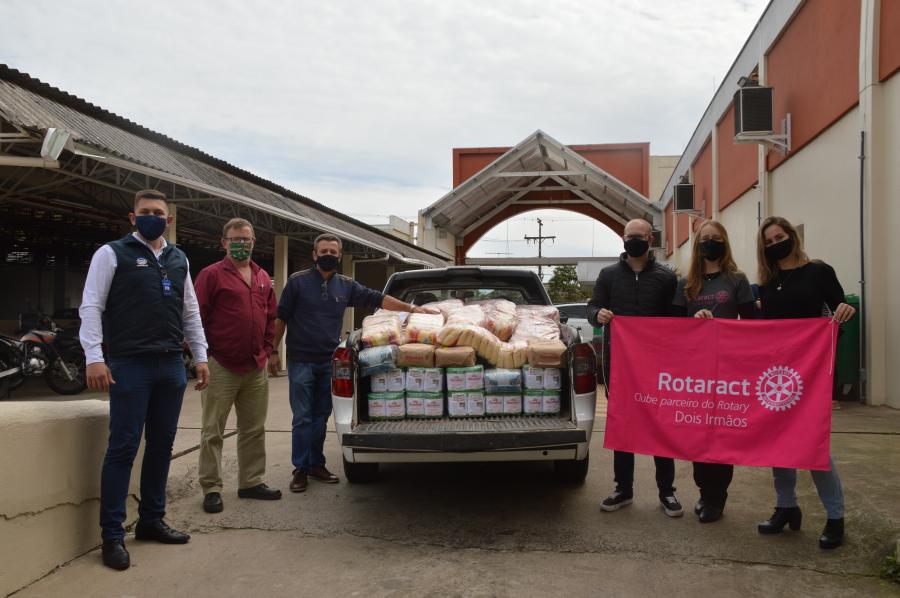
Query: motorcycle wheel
(6, 362)
(56, 377)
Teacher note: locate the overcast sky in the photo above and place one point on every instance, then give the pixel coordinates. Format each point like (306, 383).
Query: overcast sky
(357, 105)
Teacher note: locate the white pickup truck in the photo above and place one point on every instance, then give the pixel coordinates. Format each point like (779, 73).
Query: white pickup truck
(563, 439)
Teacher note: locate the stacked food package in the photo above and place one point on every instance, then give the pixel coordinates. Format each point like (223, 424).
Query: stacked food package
(429, 367)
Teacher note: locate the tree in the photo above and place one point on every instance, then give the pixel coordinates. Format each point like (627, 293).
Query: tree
(563, 286)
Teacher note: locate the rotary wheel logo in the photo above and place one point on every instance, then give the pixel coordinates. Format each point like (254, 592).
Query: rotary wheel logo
(779, 387)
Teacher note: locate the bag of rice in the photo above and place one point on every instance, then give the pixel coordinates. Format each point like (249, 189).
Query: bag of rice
(474, 377)
(415, 379)
(454, 357)
(493, 404)
(396, 380)
(502, 381)
(446, 306)
(475, 404)
(377, 359)
(433, 380)
(379, 382)
(512, 404)
(500, 317)
(534, 377)
(416, 355)
(415, 404)
(550, 402)
(533, 402)
(456, 379)
(380, 329)
(552, 378)
(456, 404)
(434, 404)
(395, 405)
(377, 405)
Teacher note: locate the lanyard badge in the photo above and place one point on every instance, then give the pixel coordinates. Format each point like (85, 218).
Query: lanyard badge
(166, 283)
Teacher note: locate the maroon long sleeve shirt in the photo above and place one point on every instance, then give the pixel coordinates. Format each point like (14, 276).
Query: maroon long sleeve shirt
(239, 320)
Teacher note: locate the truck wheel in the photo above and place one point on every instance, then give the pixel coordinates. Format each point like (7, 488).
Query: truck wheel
(572, 471)
(360, 473)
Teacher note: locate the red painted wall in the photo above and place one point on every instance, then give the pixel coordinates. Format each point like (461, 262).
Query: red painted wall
(628, 162)
(814, 68)
(737, 163)
(701, 175)
(889, 39)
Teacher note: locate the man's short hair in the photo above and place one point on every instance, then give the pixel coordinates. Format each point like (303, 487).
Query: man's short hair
(327, 237)
(149, 194)
(236, 223)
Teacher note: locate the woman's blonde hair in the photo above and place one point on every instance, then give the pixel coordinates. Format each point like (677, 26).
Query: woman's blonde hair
(768, 269)
(695, 274)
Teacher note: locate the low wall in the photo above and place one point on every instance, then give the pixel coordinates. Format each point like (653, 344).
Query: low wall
(50, 458)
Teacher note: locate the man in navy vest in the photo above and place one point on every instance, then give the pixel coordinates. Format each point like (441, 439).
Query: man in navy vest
(311, 309)
(139, 300)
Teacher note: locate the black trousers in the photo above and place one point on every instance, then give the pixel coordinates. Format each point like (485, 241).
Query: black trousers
(713, 480)
(623, 465)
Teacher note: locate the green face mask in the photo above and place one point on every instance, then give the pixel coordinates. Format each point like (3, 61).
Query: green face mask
(239, 251)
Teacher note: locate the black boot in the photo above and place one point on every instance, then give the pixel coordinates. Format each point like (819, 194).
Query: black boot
(114, 554)
(782, 516)
(833, 534)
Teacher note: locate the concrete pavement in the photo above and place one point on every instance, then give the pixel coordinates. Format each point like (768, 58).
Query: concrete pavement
(504, 529)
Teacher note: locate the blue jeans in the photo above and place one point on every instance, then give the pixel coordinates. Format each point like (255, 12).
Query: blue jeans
(146, 398)
(310, 396)
(828, 485)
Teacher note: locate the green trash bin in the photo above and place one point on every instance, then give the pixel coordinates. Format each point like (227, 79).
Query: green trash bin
(848, 346)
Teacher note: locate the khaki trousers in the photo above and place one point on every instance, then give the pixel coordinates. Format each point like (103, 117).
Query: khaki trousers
(249, 393)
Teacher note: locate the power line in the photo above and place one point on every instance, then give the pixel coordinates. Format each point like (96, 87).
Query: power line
(540, 238)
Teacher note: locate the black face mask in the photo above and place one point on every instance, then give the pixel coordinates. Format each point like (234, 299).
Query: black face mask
(637, 247)
(712, 250)
(327, 263)
(779, 251)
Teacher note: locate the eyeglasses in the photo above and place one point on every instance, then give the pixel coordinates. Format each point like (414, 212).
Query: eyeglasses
(240, 239)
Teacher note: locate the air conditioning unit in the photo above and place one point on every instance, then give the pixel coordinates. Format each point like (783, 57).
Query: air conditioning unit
(657, 239)
(753, 110)
(684, 198)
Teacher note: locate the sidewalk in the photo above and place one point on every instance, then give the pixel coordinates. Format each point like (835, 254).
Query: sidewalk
(504, 530)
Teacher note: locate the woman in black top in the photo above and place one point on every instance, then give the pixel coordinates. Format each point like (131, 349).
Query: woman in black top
(713, 288)
(793, 286)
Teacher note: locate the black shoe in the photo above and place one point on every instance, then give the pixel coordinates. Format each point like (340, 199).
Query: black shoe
(212, 502)
(616, 501)
(833, 534)
(782, 516)
(114, 554)
(160, 532)
(671, 506)
(260, 492)
(709, 514)
(699, 506)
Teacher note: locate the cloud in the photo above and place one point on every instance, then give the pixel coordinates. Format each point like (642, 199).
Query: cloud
(358, 104)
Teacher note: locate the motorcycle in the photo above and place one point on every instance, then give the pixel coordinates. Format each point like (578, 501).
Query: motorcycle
(45, 350)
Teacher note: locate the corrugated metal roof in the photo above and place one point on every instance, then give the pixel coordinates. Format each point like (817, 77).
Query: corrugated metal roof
(33, 104)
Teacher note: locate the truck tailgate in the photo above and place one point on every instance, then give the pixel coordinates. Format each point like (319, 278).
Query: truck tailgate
(464, 435)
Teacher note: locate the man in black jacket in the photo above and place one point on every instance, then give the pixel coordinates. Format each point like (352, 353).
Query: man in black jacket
(635, 286)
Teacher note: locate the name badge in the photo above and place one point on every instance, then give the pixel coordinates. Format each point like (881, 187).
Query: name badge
(166, 286)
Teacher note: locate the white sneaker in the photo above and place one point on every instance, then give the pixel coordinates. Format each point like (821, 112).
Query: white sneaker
(671, 506)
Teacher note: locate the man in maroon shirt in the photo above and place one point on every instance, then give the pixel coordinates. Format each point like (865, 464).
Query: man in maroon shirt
(238, 310)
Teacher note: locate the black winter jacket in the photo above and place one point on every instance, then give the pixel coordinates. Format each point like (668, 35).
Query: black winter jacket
(628, 293)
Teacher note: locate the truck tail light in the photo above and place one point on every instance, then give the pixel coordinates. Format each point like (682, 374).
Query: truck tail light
(342, 373)
(585, 368)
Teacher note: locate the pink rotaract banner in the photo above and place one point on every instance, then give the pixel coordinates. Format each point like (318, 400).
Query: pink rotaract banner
(745, 392)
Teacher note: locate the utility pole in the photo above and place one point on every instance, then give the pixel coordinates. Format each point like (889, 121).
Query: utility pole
(540, 238)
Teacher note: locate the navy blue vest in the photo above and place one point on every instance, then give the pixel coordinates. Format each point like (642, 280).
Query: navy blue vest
(140, 318)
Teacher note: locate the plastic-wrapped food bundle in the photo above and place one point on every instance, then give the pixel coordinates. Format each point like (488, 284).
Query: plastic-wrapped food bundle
(502, 381)
(395, 406)
(415, 379)
(434, 404)
(467, 315)
(433, 380)
(470, 378)
(534, 377)
(457, 403)
(512, 355)
(396, 380)
(446, 306)
(512, 404)
(493, 404)
(475, 403)
(550, 402)
(376, 360)
(533, 402)
(423, 328)
(550, 354)
(382, 328)
(539, 322)
(454, 357)
(376, 406)
(500, 317)
(552, 378)
(543, 312)
(416, 355)
(415, 404)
